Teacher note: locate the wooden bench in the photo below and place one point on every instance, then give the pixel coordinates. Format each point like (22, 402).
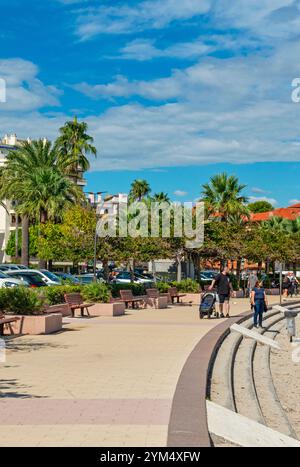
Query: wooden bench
(75, 302)
(127, 298)
(5, 320)
(174, 294)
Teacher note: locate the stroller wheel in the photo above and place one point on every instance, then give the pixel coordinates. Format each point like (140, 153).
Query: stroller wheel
(201, 315)
(208, 315)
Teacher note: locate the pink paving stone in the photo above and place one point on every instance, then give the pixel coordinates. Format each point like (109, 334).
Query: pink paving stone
(84, 411)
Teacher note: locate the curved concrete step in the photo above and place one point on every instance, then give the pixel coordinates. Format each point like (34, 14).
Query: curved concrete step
(275, 416)
(221, 381)
(244, 390)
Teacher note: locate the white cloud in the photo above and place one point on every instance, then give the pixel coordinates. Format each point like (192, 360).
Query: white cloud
(180, 193)
(145, 49)
(269, 18)
(149, 14)
(294, 201)
(24, 91)
(259, 190)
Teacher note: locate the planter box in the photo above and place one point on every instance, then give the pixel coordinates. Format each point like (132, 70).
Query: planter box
(62, 308)
(272, 291)
(39, 324)
(239, 294)
(158, 303)
(193, 298)
(107, 309)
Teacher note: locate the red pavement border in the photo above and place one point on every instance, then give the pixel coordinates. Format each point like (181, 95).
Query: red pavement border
(188, 421)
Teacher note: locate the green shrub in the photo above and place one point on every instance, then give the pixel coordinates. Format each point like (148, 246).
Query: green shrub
(163, 287)
(187, 286)
(96, 292)
(137, 289)
(54, 295)
(20, 301)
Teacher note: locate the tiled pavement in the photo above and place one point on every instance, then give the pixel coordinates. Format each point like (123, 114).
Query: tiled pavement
(100, 382)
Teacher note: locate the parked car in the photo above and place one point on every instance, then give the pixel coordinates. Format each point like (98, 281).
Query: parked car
(125, 278)
(64, 276)
(27, 278)
(85, 278)
(48, 277)
(7, 281)
(208, 276)
(11, 267)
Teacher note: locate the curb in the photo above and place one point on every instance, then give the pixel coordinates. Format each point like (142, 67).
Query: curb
(188, 425)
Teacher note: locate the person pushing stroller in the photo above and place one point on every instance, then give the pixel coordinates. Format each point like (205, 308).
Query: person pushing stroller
(224, 290)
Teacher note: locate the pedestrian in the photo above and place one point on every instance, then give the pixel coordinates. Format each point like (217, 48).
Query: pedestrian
(224, 290)
(259, 303)
(252, 279)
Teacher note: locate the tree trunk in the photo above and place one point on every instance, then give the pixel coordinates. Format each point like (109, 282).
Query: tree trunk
(154, 271)
(50, 265)
(238, 271)
(179, 269)
(43, 219)
(25, 241)
(17, 238)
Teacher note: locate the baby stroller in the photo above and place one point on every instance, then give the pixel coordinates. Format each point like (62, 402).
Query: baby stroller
(208, 305)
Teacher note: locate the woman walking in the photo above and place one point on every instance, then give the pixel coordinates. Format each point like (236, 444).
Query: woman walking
(259, 302)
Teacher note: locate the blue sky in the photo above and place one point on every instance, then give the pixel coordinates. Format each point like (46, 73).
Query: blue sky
(173, 91)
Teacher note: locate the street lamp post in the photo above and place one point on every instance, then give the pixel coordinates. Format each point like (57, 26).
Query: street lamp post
(280, 282)
(94, 194)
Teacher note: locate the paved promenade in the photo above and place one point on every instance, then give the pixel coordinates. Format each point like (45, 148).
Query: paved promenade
(100, 382)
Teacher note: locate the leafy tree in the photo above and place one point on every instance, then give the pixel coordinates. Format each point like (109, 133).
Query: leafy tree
(32, 177)
(223, 197)
(139, 190)
(260, 206)
(74, 145)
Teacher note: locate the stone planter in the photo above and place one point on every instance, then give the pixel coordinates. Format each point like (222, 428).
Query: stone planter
(37, 324)
(107, 309)
(272, 291)
(239, 294)
(193, 298)
(62, 308)
(158, 303)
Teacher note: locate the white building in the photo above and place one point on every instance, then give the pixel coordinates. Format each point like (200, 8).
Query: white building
(8, 218)
(108, 204)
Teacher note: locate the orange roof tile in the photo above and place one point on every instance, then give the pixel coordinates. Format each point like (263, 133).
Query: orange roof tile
(290, 213)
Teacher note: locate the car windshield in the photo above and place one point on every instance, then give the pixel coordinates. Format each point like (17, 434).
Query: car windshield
(31, 278)
(50, 275)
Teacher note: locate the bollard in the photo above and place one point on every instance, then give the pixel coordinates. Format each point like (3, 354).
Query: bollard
(291, 323)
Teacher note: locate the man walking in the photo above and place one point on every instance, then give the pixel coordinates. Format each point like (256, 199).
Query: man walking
(224, 289)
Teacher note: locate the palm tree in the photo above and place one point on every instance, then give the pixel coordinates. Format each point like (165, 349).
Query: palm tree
(161, 198)
(32, 176)
(73, 145)
(223, 196)
(139, 190)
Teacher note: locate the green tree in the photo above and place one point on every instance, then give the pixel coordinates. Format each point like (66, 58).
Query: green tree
(223, 197)
(139, 190)
(74, 145)
(260, 206)
(33, 178)
(161, 197)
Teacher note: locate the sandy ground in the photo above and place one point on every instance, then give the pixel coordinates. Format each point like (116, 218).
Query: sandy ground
(285, 367)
